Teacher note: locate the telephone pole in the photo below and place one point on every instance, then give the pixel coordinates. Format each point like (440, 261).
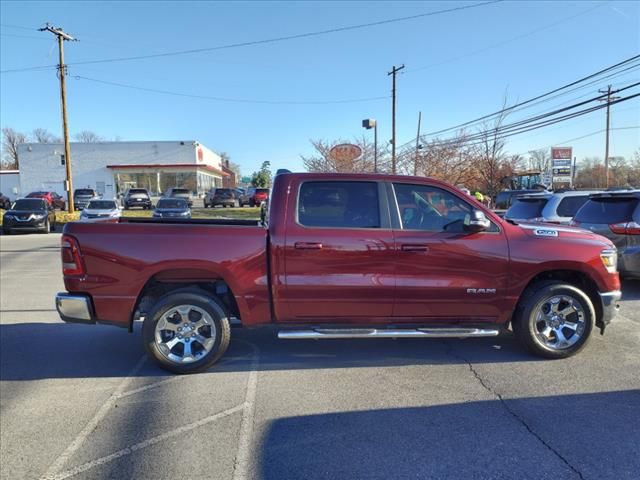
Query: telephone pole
(606, 145)
(415, 161)
(62, 71)
(393, 73)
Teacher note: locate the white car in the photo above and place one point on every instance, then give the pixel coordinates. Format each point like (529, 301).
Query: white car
(100, 210)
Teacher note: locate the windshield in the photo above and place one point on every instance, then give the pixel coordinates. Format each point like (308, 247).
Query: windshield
(138, 191)
(25, 204)
(171, 203)
(36, 194)
(84, 192)
(102, 205)
(607, 210)
(180, 191)
(525, 208)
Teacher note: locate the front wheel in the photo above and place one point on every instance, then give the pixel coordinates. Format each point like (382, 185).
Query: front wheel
(554, 319)
(187, 331)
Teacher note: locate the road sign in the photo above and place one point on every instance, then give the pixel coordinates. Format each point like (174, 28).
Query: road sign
(345, 152)
(561, 164)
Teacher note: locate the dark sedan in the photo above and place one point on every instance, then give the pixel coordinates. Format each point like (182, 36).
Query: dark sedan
(172, 208)
(29, 215)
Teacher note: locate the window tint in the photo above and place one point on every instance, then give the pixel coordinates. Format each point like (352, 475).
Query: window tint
(524, 208)
(30, 204)
(568, 206)
(101, 205)
(84, 191)
(422, 207)
(339, 204)
(172, 203)
(607, 210)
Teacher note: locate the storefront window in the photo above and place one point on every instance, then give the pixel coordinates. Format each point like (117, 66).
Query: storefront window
(158, 182)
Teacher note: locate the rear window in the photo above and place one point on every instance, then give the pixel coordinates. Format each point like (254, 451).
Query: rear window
(102, 205)
(224, 191)
(262, 190)
(29, 204)
(568, 206)
(339, 204)
(607, 210)
(180, 191)
(526, 208)
(83, 191)
(137, 191)
(172, 203)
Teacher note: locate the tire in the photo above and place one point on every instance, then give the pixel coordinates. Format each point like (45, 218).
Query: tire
(47, 227)
(194, 303)
(554, 319)
(252, 203)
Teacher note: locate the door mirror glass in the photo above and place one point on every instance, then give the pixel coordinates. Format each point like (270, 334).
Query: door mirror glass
(476, 221)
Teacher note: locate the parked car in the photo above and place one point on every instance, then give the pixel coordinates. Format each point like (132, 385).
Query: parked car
(100, 210)
(57, 201)
(342, 256)
(227, 197)
(82, 197)
(5, 202)
(505, 198)
(29, 215)
(254, 197)
(183, 193)
(615, 215)
(548, 207)
(172, 208)
(137, 197)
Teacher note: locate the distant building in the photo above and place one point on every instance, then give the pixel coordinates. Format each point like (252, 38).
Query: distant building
(113, 167)
(10, 183)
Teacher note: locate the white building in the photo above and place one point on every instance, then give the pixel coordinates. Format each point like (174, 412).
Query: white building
(10, 183)
(112, 167)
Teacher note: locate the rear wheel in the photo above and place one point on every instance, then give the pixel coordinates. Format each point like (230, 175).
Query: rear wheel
(187, 331)
(554, 320)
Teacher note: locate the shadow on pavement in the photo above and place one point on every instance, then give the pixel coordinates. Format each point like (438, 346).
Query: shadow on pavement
(31, 351)
(594, 434)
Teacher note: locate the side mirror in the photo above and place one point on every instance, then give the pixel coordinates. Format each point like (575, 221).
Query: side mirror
(476, 222)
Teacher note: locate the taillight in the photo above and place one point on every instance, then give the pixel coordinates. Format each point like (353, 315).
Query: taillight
(71, 260)
(625, 228)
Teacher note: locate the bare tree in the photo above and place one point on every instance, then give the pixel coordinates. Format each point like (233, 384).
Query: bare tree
(42, 135)
(540, 160)
(10, 141)
(491, 154)
(323, 161)
(87, 136)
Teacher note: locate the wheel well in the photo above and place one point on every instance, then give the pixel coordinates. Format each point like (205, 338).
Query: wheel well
(163, 283)
(572, 277)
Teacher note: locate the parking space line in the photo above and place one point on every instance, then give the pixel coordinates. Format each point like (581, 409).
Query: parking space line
(148, 387)
(241, 464)
(144, 444)
(93, 423)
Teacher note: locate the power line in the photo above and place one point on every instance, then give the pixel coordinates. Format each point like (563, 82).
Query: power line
(232, 100)
(267, 40)
(531, 100)
(19, 27)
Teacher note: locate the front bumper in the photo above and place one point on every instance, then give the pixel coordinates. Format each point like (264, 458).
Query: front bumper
(75, 308)
(136, 203)
(35, 225)
(610, 306)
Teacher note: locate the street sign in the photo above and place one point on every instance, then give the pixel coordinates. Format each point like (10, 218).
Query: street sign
(561, 164)
(345, 152)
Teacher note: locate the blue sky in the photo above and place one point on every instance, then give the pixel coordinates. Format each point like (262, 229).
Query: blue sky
(472, 57)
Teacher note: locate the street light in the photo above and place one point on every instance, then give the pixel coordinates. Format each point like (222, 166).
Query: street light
(370, 123)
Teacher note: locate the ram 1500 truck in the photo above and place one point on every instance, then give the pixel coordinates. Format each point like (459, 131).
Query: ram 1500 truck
(341, 256)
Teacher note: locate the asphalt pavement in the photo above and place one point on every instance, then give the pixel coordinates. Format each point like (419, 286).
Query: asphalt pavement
(83, 402)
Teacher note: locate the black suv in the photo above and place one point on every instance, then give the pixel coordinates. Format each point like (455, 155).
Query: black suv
(227, 197)
(137, 197)
(29, 214)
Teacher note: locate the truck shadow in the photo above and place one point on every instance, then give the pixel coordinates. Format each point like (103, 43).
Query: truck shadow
(519, 438)
(32, 351)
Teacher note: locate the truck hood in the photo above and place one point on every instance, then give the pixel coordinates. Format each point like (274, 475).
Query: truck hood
(550, 231)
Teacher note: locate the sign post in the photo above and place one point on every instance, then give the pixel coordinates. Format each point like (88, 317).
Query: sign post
(561, 165)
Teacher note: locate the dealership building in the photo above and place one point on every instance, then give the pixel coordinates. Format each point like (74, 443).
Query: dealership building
(112, 167)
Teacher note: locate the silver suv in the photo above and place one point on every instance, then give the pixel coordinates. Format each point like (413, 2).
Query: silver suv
(548, 207)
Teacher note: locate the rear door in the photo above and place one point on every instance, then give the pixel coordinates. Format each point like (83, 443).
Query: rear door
(339, 253)
(607, 215)
(444, 272)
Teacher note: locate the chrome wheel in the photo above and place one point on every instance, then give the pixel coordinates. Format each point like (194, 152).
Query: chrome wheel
(185, 334)
(559, 321)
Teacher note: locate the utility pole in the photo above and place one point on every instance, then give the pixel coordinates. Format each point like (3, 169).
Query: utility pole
(62, 72)
(370, 123)
(415, 161)
(606, 145)
(393, 73)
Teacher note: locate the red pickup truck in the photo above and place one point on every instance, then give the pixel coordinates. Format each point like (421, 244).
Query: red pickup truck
(341, 256)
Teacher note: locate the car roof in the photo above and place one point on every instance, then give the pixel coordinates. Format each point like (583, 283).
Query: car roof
(617, 194)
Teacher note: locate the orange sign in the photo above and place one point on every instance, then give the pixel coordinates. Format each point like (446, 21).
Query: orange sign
(345, 152)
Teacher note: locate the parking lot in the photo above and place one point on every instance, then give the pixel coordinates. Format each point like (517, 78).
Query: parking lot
(83, 402)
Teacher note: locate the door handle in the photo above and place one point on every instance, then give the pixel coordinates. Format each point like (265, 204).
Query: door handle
(308, 246)
(414, 247)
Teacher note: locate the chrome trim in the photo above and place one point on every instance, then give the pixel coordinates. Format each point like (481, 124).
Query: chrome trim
(74, 308)
(454, 332)
(614, 294)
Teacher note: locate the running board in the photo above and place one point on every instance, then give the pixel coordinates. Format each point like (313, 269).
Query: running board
(315, 333)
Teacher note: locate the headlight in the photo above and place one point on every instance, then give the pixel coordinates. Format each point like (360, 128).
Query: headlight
(39, 216)
(610, 260)
(8, 216)
(185, 214)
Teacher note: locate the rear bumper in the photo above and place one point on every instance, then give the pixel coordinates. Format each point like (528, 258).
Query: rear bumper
(610, 306)
(75, 308)
(629, 262)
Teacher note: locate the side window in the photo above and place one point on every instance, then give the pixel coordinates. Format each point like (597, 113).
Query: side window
(568, 206)
(431, 209)
(339, 204)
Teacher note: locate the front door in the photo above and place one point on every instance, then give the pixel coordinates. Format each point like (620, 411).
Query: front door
(444, 272)
(339, 254)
